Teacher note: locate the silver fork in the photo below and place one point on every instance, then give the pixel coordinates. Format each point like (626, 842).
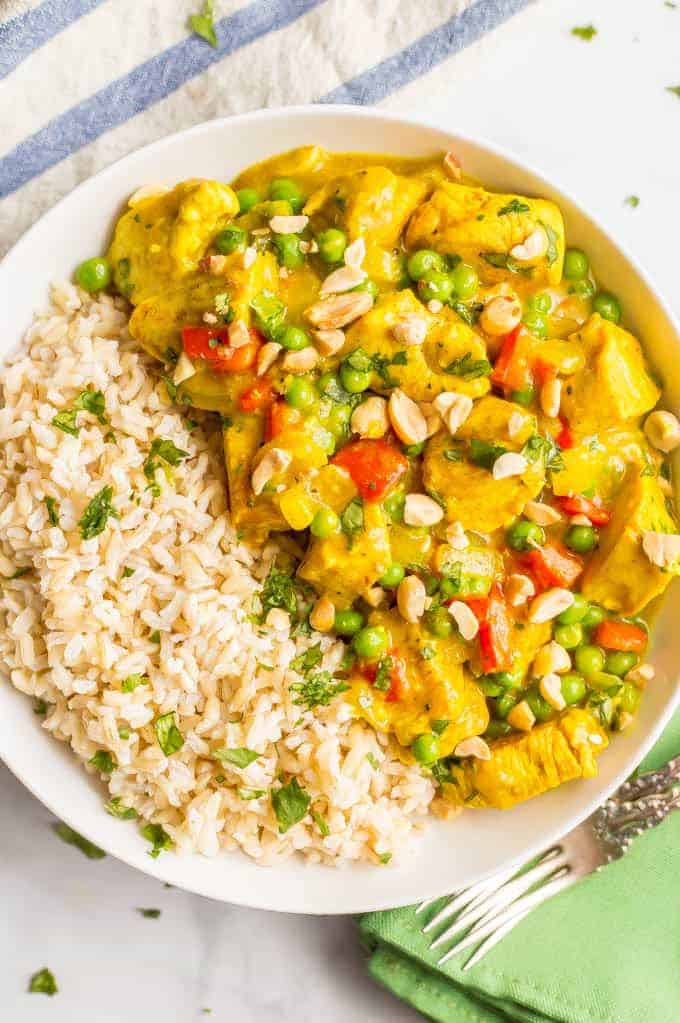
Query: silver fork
(485, 912)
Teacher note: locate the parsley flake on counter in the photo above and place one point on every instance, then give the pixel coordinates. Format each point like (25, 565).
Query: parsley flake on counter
(43, 983)
(203, 23)
(52, 513)
(290, 804)
(104, 761)
(317, 690)
(97, 514)
(632, 200)
(149, 914)
(238, 757)
(169, 737)
(585, 32)
(159, 838)
(71, 837)
(116, 809)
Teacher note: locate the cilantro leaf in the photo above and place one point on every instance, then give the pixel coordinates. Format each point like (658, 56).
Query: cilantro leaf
(149, 914)
(169, 737)
(352, 520)
(485, 454)
(632, 200)
(104, 761)
(238, 757)
(71, 837)
(270, 312)
(166, 451)
(514, 206)
(278, 591)
(440, 725)
(545, 449)
(307, 660)
(504, 261)
(87, 401)
(290, 804)
(43, 983)
(321, 824)
(552, 252)
(248, 794)
(385, 857)
(66, 421)
(116, 809)
(585, 32)
(317, 690)
(160, 839)
(203, 24)
(383, 677)
(20, 572)
(468, 368)
(127, 572)
(52, 513)
(97, 514)
(40, 708)
(468, 313)
(129, 684)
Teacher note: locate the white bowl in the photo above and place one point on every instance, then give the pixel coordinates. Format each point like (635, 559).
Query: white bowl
(478, 843)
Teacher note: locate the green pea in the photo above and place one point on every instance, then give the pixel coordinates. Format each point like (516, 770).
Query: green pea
(324, 523)
(506, 702)
(438, 623)
(449, 588)
(581, 539)
(524, 535)
(426, 748)
(94, 274)
(541, 303)
(232, 239)
(392, 576)
(301, 393)
(348, 622)
(620, 662)
(593, 616)
(332, 244)
(573, 687)
(370, 286)
(524, 397)
(465, 280)
(540, 708)
(576, 264)
(576, 612)
(354, 380)
(288, 251)
(608, 306)
(497, 729)
(413, 450)
(585, 288)
(507, 679)
(536, 323)
(589, 659)
(569, 636)
(289, 191)
(422, 261)
(338, 420)
(435, 286)
(629, 698)
(293, 338)
(394, 505)
(371, 642)
(247, 198)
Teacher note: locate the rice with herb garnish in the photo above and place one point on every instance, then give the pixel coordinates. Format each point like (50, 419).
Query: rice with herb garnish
(134, 617)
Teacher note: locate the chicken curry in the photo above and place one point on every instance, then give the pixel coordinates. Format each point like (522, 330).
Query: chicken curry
(427, 398)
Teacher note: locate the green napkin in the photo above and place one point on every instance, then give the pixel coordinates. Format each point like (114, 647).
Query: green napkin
(605, 951)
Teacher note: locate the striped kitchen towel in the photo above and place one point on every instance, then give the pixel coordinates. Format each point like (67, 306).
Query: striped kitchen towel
(83, 82)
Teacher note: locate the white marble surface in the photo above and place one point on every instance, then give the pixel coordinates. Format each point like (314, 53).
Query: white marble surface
(597, 117)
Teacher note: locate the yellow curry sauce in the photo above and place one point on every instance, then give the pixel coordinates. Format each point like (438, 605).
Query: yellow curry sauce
(429, 393)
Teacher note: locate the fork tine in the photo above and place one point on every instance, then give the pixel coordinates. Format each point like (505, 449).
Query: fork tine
(502, 895)
(466, 897)
(562, 879)
(493, 939)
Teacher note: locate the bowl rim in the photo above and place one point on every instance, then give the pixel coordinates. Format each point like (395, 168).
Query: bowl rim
(495, 151)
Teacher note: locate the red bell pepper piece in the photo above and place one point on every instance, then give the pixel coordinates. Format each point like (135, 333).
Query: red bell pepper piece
(259, 395)
(580, 505)
(620, 636)
(544, 371)
(281, 417)
(494, 630)
(222, 358)
(374, 465)
(553, 565)
(398, 677)
(565, 438)
(512, 369)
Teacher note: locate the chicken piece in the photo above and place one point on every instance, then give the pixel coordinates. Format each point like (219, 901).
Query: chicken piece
(329, 487)
(373, 202)
(524, 766)
(254, 517)
(162, 238)
(342, 567)
(471, 571)
(432, 688)
(458, 470)
(483, 227)
(619, 575)
(598, 463)
(614, 386)
(419, 369)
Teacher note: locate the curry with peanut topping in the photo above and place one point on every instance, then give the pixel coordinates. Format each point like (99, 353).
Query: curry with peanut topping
(431, 404)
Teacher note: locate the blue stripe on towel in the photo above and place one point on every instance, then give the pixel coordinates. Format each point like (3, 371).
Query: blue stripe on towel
(21, 35)
(425, 53)
(146, 84)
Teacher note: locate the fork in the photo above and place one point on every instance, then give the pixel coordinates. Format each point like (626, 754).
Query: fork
(485, 912)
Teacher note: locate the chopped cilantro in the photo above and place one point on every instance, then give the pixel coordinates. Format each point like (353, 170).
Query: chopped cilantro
(504, 261)
(440, 725)
(97, 514)
(427, 653)
(373, 761)
(239, 756)
(40, 708)
(352, 520)
(43, 983)
(484, 454)
(347, 662)
(468, 313)
(385, 857)
(552, 252)
(278, 591)
(203, 23)
(441, 772)
(20, 572)
(468, 368)
(171, 387)
(383, 676)
(307, 660)
(248, 794)
(155, 636)
(170, 739)
(52, 513)
(545, 448)
(71, 837)
(321, 824)
(160, 840)
(632, 200)
(116, 809)
(514, 206)
(104, 761)
(317, 690)
(87, 401)
(129, 684)
(166, 451)
(585, 32)
(149, 914)
(127, 572)
(451, 455)
(290, 804)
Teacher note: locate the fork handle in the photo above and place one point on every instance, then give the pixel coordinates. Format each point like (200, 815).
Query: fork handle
(652, 781)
